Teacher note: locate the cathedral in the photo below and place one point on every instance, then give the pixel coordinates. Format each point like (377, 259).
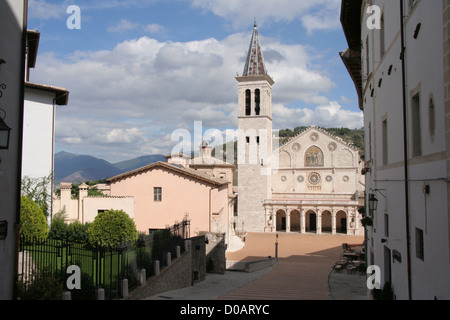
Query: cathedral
(311, 184)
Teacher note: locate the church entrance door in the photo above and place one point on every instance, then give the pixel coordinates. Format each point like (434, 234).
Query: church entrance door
(313, 222)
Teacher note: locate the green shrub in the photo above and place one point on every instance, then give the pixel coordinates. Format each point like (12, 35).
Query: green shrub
(78, 232)
(33, 223)
(43, 287)
(111, 229)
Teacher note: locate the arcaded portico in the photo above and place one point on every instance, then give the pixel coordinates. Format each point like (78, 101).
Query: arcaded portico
(301, 217)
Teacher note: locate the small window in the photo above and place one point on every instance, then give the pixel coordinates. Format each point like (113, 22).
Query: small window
(431, 118)
(247, 139)
(257, 140)
(386, 225)
(385, 142)
(382, 38)
(416, 126)
(419, 244)
(157, 194)
(367, 56)
(248, 101)
(257, 102)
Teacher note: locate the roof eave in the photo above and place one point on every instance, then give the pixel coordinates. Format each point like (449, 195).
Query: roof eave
(61, 94)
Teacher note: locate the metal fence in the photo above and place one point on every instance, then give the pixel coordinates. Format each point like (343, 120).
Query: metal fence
(100, 267)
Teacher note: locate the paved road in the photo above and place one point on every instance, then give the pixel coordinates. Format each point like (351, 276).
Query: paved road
(302, 273)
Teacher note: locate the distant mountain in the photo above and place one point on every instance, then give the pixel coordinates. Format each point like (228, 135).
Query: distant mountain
(140, 162)
(80, 168)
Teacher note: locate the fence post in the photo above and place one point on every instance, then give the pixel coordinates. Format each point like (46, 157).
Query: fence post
(187, 245)
(178, 251)
(100, 294)
(157, 270)
(169, 259)
(143, 277)
(66, 295)
(124, 288)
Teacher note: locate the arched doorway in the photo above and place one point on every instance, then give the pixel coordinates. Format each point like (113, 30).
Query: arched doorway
(295, 221)
(281, 220)
(326, 221)
(311, 221)
(341, 222)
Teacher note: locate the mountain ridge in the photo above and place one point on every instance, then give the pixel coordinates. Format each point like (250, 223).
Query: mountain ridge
(74, 168)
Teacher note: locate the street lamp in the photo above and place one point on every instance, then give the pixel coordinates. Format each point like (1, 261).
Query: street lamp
(4, 132)
(276, 247)
(373, 203)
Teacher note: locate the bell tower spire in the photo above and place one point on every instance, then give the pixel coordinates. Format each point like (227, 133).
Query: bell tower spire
(254, 65)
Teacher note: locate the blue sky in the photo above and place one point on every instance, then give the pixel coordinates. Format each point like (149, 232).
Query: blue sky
(138, 70)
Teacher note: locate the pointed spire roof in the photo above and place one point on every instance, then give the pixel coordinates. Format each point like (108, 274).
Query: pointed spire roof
(254, 65)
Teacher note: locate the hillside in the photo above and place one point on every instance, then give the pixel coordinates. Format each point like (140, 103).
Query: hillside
(132, 164)
(80, 168)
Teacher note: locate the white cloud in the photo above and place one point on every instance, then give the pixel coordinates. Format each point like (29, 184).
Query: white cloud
(314, 14)
(40, 9)
(123, 26)
(126, 101)
(154, 28)
(327, 115)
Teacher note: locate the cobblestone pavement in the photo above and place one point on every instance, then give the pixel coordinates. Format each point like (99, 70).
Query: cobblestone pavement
(303, 272)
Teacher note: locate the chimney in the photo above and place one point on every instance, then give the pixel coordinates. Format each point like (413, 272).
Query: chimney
(177, 159)
(205, 150)
(82, 193)
(65, 195)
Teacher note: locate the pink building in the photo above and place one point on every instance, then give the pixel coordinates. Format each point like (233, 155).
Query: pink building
(165, 193)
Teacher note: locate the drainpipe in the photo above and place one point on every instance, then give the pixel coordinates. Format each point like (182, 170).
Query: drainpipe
(405, 149)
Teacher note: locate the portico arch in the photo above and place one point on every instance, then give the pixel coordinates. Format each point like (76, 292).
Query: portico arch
(326, 221)
(311, 221)
(341, 222)
(295, 221)
(281, 220)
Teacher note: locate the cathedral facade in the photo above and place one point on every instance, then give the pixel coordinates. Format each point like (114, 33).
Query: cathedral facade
(312, 183)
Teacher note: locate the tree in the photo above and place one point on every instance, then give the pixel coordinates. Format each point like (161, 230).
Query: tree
(111, 229)
(38, 190)
(32, 220)
(58, 227)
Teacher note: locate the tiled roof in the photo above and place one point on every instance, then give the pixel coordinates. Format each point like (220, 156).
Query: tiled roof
(254, 65)
(188, 172)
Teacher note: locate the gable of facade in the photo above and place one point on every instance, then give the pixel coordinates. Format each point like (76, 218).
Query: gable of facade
(317, 162)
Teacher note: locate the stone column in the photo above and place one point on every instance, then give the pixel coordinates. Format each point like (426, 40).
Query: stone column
(302, 221)
(333, 221)
(319, 222)
(288, 220)
(274, 219)
(349, 216)
(267, 216)
(356, 221)
(272, 226)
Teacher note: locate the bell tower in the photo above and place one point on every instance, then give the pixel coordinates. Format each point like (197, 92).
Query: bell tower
(255, 140)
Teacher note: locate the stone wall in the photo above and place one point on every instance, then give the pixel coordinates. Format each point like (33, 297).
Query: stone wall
(198, 263)
(185, 271)
(215, 253)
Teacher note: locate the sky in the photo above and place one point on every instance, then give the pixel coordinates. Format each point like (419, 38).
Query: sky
(139, 71)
